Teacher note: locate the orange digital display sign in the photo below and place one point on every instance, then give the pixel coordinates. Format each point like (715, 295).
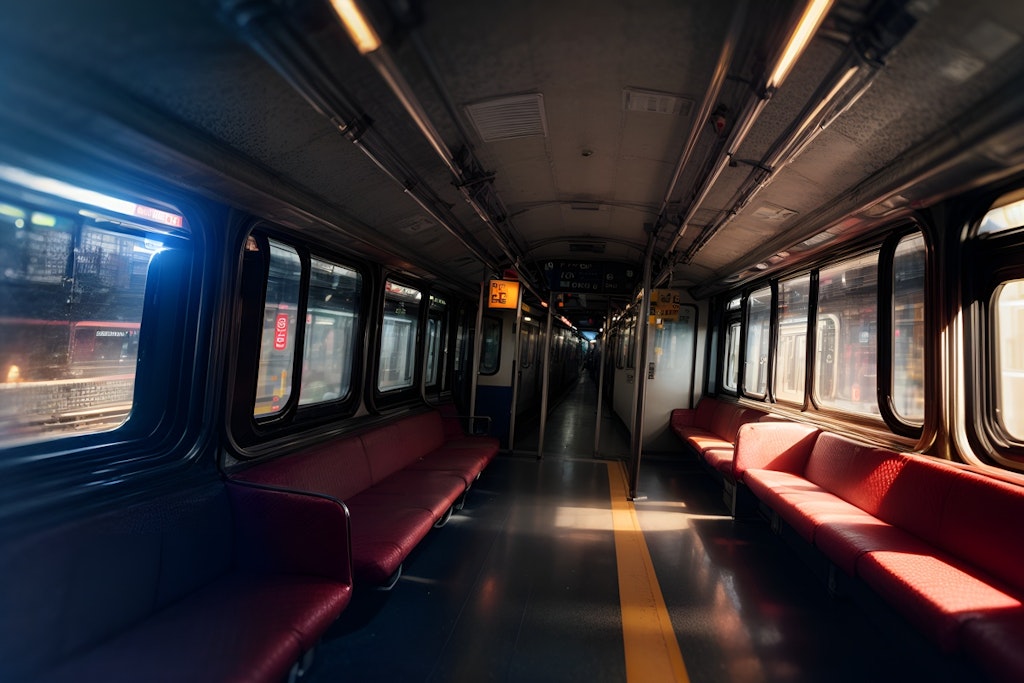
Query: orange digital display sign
(503, 294)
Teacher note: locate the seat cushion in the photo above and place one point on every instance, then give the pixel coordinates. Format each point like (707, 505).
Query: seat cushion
(383, 535)
(933, 590)
(996, 642)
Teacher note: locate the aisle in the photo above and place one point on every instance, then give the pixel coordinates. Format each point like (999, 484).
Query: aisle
(571, 425)
(535, 580)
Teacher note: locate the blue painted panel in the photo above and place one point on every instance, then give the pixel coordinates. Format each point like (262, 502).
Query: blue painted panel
(495, 402)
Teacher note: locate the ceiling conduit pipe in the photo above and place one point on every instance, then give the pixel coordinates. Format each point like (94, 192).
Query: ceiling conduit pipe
(848, 80)
(732, 39)
(265, 29)
(356, 23)
(803, 29)
(437, 81)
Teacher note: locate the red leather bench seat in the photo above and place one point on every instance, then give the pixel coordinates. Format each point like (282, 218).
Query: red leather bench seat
(710, 429)
(940, 543)
(219, 583)
(398, 480)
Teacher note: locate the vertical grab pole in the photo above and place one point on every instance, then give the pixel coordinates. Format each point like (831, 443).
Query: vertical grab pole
(600, 381)
(515, 375)
(640, 368)
(474, 371)
(545, 372)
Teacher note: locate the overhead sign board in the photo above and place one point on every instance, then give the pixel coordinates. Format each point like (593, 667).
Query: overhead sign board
(590, 277)
(503, 294)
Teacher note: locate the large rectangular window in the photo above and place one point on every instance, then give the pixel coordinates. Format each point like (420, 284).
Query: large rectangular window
(731, 371)
(908, 329)
(73, 279)
(329, 349)
(437, 341)
(490, 345)
(845, 362)
(791, 356)
(326, 322)
(755, 354)
(1009, 339)
(280, 319)
(397, 369)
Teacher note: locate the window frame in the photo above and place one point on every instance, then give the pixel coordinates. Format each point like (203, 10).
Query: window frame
(987, 442)
(246, 432)
(440, 383)
(884, 247)
(485, 319)
(174, 328)
(770, 353)
(388, 398)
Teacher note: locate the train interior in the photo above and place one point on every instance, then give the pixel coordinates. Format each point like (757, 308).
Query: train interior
(379, 340)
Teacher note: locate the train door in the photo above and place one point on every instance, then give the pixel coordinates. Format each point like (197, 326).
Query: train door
(623, 392)
(671, 348)
(495, 374)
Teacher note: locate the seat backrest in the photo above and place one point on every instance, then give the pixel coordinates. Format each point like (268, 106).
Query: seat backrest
(858, 473)
(65, 589)
(391, 447)
(338, 468)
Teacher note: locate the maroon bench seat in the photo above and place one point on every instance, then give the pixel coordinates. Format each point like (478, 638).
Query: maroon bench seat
(218, 583)
(936, 541)
(398, 480)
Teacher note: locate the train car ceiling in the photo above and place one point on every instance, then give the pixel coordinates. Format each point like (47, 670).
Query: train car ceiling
(479, 137)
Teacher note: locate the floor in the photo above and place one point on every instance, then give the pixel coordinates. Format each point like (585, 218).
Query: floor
(523, 585)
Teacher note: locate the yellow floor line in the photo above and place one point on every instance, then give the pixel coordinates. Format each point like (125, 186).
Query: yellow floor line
(652, 651)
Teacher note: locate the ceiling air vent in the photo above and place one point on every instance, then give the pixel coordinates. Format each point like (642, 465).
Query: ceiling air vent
(655, 102)
(503, 118)
(587, 247)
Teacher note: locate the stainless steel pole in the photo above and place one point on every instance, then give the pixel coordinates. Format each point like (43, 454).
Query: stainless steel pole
(546, 372)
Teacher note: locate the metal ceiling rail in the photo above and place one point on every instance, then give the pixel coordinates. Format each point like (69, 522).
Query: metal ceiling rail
(752, 108)
(264, 26)
(711, 95)
(851, 76)
(473, 183)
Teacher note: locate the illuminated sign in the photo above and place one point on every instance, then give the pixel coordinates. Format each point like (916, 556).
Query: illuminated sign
(504, 294)
(281, 332)
(664, 305)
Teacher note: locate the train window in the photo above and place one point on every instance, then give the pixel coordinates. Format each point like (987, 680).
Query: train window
(277, 343)
(1003, 218)
(490, 345)
(713, 360)
(755, 361)
(791, 348)
(72, 293)
(437, 316)
(398, 337)
(845, 362)
(731, 374)
(1009, 333)
(621, 348)
(527, 342)
(631, 342)
(908, 329)
(328, 352)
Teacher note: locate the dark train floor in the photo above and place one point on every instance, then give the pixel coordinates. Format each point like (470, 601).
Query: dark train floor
(523, 585)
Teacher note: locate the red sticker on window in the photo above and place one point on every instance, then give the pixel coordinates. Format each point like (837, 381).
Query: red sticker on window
(281, 332)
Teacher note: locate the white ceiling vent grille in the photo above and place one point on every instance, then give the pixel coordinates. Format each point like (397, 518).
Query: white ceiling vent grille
(656, 102)
(503, 118)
